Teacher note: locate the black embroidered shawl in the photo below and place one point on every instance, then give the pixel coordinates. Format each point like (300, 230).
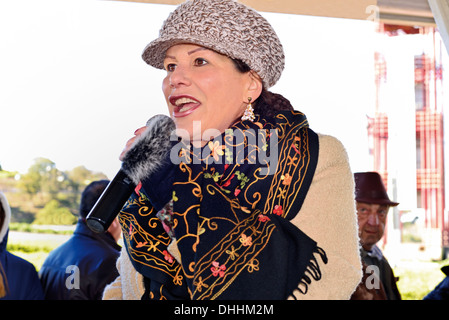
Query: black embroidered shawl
(231, 202)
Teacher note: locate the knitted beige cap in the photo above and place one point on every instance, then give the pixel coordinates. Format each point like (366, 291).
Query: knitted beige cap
(227, 27)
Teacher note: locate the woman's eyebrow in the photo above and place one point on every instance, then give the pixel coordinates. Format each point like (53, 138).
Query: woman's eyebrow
(189, 53)
(195, 50)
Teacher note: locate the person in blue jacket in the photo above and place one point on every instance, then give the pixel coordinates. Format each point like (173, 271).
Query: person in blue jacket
(441, 291)
(19, 277)
(81, 267)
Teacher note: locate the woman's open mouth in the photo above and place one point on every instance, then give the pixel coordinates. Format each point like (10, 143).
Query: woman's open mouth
(183, 105)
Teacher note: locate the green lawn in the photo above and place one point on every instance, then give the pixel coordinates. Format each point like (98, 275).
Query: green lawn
(34, 252)
(416, 279)
(35, 247)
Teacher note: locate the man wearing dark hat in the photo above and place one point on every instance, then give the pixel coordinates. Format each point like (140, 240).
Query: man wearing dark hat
(373, 203)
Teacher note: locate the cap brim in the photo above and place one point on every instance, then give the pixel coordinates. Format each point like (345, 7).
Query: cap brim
(378, 201)
(154, 52)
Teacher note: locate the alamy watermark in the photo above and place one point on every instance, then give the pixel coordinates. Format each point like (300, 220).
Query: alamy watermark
(73, 279)
(373, 279)
(374, 13)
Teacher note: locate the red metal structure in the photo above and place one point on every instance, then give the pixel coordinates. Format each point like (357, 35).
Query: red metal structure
(430, 185)
(429, 140)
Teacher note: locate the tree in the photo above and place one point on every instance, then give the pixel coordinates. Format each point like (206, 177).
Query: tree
(79, 177)
(76, 180)
(53, 213)
(30, 183)
(42, 177)
(44, 182)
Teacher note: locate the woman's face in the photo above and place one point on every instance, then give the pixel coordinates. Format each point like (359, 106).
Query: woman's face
(204, 91)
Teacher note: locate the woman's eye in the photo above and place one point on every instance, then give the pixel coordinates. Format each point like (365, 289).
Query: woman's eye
(200, 62)
(170, 67)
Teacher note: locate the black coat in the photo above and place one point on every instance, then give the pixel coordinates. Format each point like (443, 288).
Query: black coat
(376, 258)
(80, 268)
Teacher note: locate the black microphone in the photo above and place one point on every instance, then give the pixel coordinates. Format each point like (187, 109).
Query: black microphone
(144, 157)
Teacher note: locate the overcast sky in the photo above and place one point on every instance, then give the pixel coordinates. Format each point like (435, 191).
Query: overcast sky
(73, 87)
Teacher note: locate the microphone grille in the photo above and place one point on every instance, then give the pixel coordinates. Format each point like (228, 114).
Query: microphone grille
(163, 121)
(149, 149)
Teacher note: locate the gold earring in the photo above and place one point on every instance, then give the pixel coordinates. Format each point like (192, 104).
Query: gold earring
(249, 112)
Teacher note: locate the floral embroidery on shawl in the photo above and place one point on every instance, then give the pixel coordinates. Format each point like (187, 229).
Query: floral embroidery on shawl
(230, 221)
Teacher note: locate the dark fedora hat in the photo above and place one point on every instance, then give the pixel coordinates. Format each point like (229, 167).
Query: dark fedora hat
(369, 188)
